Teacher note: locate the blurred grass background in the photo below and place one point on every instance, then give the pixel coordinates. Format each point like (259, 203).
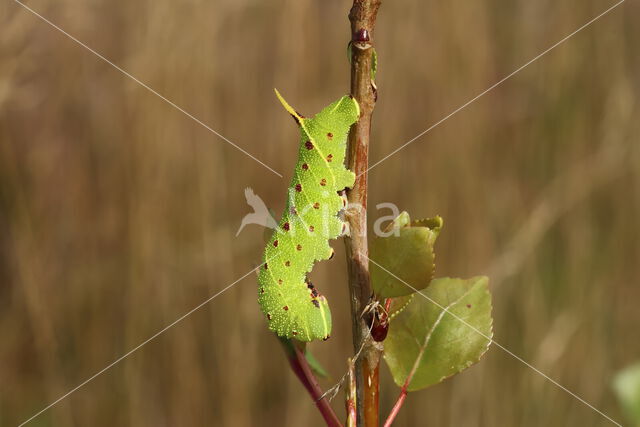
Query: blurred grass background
(118, 213)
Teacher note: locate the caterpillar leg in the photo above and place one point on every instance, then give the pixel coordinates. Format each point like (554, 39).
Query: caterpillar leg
(342, 213)
(343, 197)
(346, 229)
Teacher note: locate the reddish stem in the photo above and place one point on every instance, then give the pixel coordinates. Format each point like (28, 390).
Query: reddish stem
(397, 406)
(300, 366)
(405, 386)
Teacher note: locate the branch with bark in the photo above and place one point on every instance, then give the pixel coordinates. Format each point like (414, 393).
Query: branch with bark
(362, 17)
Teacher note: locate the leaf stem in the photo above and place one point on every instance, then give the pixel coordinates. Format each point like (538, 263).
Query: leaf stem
(398, 405)
(362, 17)
(300, 366)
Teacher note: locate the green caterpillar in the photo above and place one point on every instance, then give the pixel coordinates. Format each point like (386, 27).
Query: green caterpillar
(292, 305)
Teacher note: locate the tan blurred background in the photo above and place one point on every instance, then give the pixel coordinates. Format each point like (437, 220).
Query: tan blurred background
(118, 213)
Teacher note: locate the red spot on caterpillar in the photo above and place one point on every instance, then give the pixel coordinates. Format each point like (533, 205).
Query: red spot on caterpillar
(330, 135)
(285, 308)
(315, 303)
(309, 145)
(299, 247)
(294, 333)
(316, 205)
(265, 266)
(311, 228)
(468, 305)
(287, 263)
(305, 166)
(329, 157)
(323, 182)
(314, 293)
(298, 188)
(279, 281)
(285, 226)
(275, 243)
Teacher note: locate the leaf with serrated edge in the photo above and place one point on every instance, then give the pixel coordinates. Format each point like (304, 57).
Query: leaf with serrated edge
(398, 304)
(407, 254)
(431, 344)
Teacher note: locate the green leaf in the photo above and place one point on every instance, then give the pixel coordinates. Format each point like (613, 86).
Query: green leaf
(289, 346)
(398, 304)
(315, 366)
(435, 224)
(427, 344)
(407, 253)
(402, 220)
(627, 386)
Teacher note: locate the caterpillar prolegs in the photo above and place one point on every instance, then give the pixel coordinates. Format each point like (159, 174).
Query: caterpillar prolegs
(292, 305)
